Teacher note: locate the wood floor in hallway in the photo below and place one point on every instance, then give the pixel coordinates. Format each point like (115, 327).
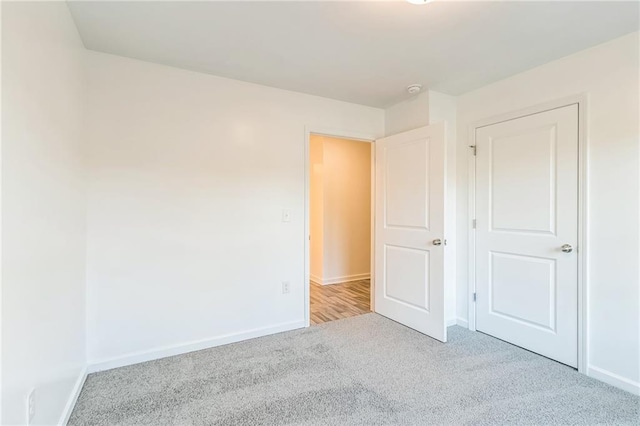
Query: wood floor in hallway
(336, 301)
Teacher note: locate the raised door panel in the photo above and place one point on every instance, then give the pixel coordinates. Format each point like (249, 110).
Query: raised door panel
(530, 205)
(407, 185)
(407, 279)
(522, 289)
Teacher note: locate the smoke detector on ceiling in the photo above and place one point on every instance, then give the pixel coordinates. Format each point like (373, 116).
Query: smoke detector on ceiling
(419, 1)
(414, 88)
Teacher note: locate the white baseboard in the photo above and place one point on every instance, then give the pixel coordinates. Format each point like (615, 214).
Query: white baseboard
(73, 398)
(315, 279)
(339, 280)
(462, 322)
(182, 348)
(614, 379)
(458, 321)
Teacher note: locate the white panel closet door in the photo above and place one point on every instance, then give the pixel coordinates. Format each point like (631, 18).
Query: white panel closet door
(409, 238)
(527, 232)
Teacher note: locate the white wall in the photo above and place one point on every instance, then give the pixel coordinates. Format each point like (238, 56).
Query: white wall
(407, 115)
(345, 211)
(189, 176)
(442, 108)
(609, 75)
(43, 211)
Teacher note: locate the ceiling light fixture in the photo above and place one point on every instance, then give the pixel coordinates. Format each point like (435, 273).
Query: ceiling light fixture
(419, 1)
(414, 88)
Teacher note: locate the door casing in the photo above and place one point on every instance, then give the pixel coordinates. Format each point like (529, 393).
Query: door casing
(341, 134)
(581, 100)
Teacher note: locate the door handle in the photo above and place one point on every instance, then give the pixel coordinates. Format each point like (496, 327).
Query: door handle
(566, 248)
(437, 242)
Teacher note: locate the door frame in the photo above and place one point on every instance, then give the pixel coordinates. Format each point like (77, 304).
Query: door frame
(583, 294)
(340, 134)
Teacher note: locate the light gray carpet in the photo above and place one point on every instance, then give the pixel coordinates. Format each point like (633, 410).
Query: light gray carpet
(365, 370)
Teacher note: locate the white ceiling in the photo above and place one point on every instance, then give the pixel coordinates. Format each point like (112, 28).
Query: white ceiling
(361, 52)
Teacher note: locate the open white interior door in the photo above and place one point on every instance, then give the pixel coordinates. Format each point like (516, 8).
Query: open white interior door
(409, 229)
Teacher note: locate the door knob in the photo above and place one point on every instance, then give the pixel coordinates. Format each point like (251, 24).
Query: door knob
(566, 248)
(437, 242)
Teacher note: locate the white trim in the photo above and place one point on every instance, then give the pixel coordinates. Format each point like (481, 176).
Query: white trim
(336, 133)
(583, 154)
(182, 348)
(583, 225)
(372, 260)
(340, 280)
(315, 279)
(462, 322)
(614, 379)
(73, 398)
(457, 321)
(471, 234)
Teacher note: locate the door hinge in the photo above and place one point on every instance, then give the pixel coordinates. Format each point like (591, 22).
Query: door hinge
(475, 149)
(473, 224)
(474, 297)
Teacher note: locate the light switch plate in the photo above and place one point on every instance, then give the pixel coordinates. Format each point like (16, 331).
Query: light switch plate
(286, 215)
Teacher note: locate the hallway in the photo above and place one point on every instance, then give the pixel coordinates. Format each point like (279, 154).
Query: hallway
(337, 301)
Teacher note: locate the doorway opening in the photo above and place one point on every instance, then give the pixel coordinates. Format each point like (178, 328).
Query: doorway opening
(340, 219)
